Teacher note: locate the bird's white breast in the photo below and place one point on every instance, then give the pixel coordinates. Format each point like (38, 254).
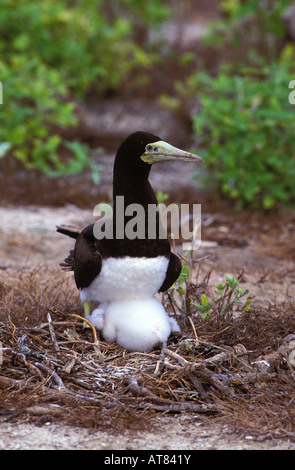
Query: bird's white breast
(126, 278)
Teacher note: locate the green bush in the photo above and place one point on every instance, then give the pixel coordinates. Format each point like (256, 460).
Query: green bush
(247, 127)
(52, 52)
(32, 94)
(246, 123)
(251, 24)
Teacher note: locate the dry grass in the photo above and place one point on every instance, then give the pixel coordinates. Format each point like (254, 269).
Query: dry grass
(238, 372)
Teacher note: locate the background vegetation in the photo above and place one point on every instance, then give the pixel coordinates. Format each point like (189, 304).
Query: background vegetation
(55, 53)
(52, 53)
(247, 122)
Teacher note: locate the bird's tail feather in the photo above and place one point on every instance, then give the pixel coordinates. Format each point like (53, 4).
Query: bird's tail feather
(73, 232)
(69, 230)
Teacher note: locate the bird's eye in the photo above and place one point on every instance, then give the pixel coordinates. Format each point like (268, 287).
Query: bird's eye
(149, 148)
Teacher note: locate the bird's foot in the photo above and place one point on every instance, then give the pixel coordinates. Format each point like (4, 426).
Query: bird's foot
(87, 312)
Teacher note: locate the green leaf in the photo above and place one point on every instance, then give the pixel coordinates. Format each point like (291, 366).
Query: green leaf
(220, 286)
(204, 300)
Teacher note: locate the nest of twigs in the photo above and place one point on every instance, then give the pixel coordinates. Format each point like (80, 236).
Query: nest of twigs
(238, 369)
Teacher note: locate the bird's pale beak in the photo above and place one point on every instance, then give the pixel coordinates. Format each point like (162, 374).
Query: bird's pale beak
(162, 151)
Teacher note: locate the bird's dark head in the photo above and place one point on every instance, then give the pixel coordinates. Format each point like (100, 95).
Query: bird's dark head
(140, 150)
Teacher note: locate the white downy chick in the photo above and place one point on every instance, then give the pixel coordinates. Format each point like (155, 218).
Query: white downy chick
(135, 324)
(97, 316)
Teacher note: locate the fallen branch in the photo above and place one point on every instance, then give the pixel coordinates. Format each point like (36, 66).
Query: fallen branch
(51, 410)
(7, 382)
(67, 368)
(213, 379)
(137, 390)
(165, 404)
(53, 375)
(52, 333)
(182, 407)
(96, 341)
(177, 357)
(271, 361)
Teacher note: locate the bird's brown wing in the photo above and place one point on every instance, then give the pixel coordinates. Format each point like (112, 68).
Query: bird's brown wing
(173, 272)
(87, 258)
(84, 259)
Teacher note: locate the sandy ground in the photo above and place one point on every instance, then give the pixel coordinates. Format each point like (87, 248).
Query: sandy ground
(177, 433)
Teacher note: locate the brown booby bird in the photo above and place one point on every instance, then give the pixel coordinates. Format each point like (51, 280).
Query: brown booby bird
(122, 272)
